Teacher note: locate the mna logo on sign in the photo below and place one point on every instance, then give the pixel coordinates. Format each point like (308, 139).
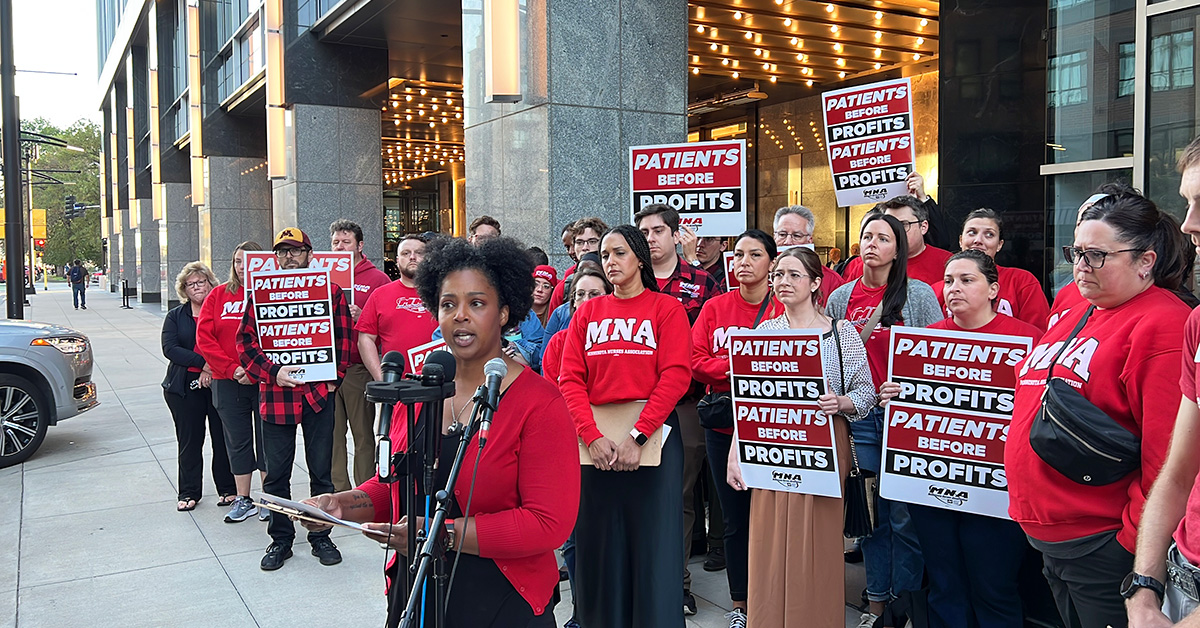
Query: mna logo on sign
(877, 194)
(948, 496)
(786, 479)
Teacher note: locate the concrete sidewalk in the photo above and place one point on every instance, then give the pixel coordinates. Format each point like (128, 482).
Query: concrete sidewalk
(97, 540)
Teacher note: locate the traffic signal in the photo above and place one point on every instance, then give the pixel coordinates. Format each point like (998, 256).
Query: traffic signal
(39, 243)
(69, 204)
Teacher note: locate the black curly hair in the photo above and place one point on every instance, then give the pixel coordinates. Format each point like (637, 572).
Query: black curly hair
(640, 248)
(502, 260)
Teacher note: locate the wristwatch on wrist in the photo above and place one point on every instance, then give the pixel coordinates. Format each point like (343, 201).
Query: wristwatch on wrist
(695, 262)
(1135, 581)
(638, 437)
(450, 538)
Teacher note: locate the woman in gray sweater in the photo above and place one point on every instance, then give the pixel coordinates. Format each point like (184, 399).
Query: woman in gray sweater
(884, 296)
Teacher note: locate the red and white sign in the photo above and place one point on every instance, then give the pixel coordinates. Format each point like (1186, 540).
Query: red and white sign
(294, 312)
(943, 440)
(420, 353)
(785, 443)
(340, 265)
(704, 181)
(870, 140)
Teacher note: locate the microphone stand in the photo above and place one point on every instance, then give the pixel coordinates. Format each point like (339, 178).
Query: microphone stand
(433, 545)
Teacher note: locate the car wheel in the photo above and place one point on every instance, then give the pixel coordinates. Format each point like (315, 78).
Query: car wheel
(24, 417)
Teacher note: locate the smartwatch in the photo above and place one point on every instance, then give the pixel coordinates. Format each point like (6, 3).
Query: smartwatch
(1135, 581)
(638, 437)
(695, 262)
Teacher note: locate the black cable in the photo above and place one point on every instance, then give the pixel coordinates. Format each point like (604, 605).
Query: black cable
(466, 522)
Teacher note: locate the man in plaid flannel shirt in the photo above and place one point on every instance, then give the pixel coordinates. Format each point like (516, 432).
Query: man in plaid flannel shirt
(692, 286)
(287, 402)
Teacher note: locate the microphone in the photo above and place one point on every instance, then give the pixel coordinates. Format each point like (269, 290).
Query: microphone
(442, 358)
(494, 370)
(392, 366)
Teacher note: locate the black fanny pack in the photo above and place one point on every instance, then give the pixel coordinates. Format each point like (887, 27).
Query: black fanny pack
(1076, 438)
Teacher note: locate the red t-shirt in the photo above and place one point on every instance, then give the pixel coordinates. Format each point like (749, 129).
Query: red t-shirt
(929, 266)
(1021, 297)
(526, 487)
(395, 315)
(721, 315)
(367, 279)
(1187, 536)
(622, 350)
(862, 304)
(1067, 298)
(552, 356)
(1002, 325)
(1126, 361)
(217, 330)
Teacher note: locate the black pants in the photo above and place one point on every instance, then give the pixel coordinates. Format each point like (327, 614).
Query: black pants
(735, 510)
(1087, 588)
(279, 442)
(238, 406)
(189, 413)
(628, 558)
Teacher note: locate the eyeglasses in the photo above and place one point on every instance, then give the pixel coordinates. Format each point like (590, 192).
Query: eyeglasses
(799, 235)
(587, 242)
(778, 275)
(588, 294)
(199, 283)
(1093, 258)
(290, 252)
(909, 224)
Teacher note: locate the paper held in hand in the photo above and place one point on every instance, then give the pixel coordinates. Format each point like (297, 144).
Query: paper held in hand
(615, 420)
(301, 510)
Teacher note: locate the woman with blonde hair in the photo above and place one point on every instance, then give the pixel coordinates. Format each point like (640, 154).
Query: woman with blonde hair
(186, 390)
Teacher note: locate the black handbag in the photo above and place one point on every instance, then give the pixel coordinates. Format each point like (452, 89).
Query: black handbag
(862, 487)
(1076, 438)
(716, 408)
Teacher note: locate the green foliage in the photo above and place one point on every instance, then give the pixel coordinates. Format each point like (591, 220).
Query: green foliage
(80, 238)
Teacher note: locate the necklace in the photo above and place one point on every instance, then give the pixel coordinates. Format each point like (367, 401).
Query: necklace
(455, 425)
(811, 324)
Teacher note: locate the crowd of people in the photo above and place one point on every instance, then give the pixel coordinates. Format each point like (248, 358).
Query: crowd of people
(622, 360)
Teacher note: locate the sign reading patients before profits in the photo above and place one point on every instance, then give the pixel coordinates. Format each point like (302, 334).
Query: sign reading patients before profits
(704, 181)
(869, 136)
(418, 355)
(340, 265)
(944, 436)
(294, 312)
(785, 443)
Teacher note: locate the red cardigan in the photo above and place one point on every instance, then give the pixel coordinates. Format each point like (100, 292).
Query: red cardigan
(527, 489)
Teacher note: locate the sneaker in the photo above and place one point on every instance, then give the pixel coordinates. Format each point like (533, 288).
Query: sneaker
(689, 603)
(324, 549)
(737, 618)
(241, 510)
(715, 560)
(83, 307)
(867, 620)
(571, 623)
(264, 514)
(853, 555)
(275, 556)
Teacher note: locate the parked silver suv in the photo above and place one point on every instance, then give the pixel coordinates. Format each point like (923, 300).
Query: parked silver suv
(45, 377)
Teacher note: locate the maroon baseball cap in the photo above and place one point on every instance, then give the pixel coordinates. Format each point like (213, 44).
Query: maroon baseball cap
(292, 237)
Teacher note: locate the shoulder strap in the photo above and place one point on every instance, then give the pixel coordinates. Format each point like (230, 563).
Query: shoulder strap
(837, 340)
(876, 316)
(762, 310)
(1067, 342)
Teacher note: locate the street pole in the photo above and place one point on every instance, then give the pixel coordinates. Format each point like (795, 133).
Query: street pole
(10, 135)
(30, 155)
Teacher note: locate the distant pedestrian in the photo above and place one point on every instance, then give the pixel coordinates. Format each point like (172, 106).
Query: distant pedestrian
(186, 390)
(78, 276)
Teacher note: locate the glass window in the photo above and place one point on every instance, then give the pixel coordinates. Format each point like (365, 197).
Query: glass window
(1064, 194)
(1125, 70)
(1068, 80)
(1171, 105)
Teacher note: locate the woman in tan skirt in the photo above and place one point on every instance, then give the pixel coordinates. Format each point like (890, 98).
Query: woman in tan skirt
(797, 572)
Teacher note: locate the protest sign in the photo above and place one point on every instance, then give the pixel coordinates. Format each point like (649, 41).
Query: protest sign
(870, 140)
(294, 313)
(420, 353)
(704, 181)
(944, 436)
(784, 442)
(340, 265)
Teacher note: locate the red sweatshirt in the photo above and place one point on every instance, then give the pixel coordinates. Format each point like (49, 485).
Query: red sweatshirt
(1067, 298)
(929, 266)
(367, 279)
(1126, 361)
(622, 350)
(1187, 535)
(217, 330)
(526, 486)
(559, 295)
(552, 356)
(1021, 297)
(721, 315)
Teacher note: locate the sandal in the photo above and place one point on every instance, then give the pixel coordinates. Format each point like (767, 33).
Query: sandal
(226, 500)
(186, 504)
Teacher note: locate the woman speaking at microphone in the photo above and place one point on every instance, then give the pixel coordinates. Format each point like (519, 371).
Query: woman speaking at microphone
(957, 545)
(632, 345)
(522, 489)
